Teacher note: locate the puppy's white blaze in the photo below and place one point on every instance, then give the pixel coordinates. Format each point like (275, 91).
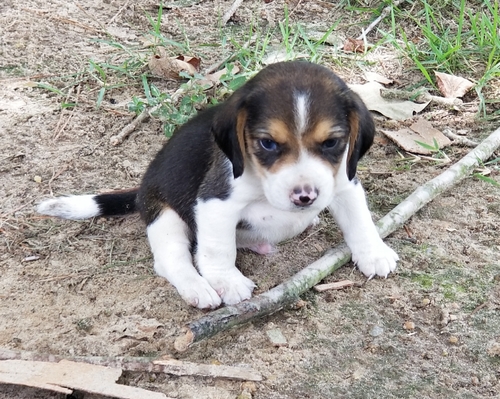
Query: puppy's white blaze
(170, 246)
(301, 112)
(72, 207)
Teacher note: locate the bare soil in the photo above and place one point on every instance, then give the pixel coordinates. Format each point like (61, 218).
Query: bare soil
(86, 288)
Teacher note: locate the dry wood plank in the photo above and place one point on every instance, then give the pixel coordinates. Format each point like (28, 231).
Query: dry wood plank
(66, 376)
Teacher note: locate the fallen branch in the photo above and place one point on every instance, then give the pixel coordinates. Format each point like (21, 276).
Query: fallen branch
(143, 364)
(385, 12)
(420, 97)
(459, 139)
(229, 13)
(66, 377)
(146, 114)
(127, 130)
(288, 292)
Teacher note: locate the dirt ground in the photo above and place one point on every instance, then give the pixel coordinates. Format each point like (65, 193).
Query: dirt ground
(431, 330)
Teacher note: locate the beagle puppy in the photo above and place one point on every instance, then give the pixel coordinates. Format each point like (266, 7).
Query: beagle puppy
(249, 173)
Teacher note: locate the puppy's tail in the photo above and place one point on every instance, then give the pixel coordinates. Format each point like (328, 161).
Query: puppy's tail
(86, 206)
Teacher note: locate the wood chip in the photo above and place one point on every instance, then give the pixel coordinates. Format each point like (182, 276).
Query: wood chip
(276, 337)
(337, 285)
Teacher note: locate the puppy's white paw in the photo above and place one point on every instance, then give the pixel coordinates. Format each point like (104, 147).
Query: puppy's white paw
(232, 286)
(199, 294)
(378, 260)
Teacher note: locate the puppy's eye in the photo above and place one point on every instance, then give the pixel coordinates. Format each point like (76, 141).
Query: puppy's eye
(329, 144)
(268, 144)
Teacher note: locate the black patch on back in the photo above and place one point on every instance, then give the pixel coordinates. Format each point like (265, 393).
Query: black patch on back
(217, 180)
(183, 170)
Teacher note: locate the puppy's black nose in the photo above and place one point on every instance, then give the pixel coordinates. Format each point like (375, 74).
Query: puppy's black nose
(303, 195)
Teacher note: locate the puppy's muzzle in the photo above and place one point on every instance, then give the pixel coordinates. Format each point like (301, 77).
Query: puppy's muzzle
(303, 195)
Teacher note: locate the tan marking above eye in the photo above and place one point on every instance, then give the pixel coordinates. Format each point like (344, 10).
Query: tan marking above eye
(280, 132)
(323, 130)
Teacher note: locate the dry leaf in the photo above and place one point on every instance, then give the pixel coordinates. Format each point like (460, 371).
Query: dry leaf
(195, 62)
(214, 78)
(395, 109)
(422, 131)
(376, 77)
(452, 86)
(171, 67)
(428, 133)
(354, 45)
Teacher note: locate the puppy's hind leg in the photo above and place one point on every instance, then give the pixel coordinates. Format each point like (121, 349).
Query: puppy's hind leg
(169, 241)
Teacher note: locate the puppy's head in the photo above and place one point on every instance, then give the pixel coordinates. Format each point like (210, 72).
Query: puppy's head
(297, 126)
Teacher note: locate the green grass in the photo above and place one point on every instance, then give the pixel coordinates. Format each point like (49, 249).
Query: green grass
(454, 37)
(127, 67)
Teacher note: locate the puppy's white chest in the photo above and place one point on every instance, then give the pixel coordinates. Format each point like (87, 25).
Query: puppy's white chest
(260, 222)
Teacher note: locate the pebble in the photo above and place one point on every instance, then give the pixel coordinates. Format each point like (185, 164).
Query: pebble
(409, 325)
(276, 337)
(376, 331)
(453, 340)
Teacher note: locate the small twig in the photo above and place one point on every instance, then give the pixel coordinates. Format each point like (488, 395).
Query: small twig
(65, 20)
(217, 65)
(58, 131)
(118, 13)
(337, 285)
(144, 364)
(294, 9)
(146, 114)
(91, 17)
(54, 176)
(385, 12)
(127, 130)
(229, 13)
(476, 310)
(459, 139)
(420, 97)
(288, 292)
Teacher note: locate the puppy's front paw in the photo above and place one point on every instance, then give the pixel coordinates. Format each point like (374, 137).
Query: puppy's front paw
(232, 286)
(378, 260)
(199, 294)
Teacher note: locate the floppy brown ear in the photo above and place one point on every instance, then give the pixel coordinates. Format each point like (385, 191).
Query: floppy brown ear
(228, 130)
(361, 134)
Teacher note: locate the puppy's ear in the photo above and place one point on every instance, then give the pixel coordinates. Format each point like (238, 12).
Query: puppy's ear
(228, 130)
(362, 132)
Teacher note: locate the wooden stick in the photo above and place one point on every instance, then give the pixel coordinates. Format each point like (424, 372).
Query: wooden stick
(337, 285)
(144, 364)
(127, 130)
(229, 13)
(288, 292)
(382, 15)
(459, 139)
(146, 114)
